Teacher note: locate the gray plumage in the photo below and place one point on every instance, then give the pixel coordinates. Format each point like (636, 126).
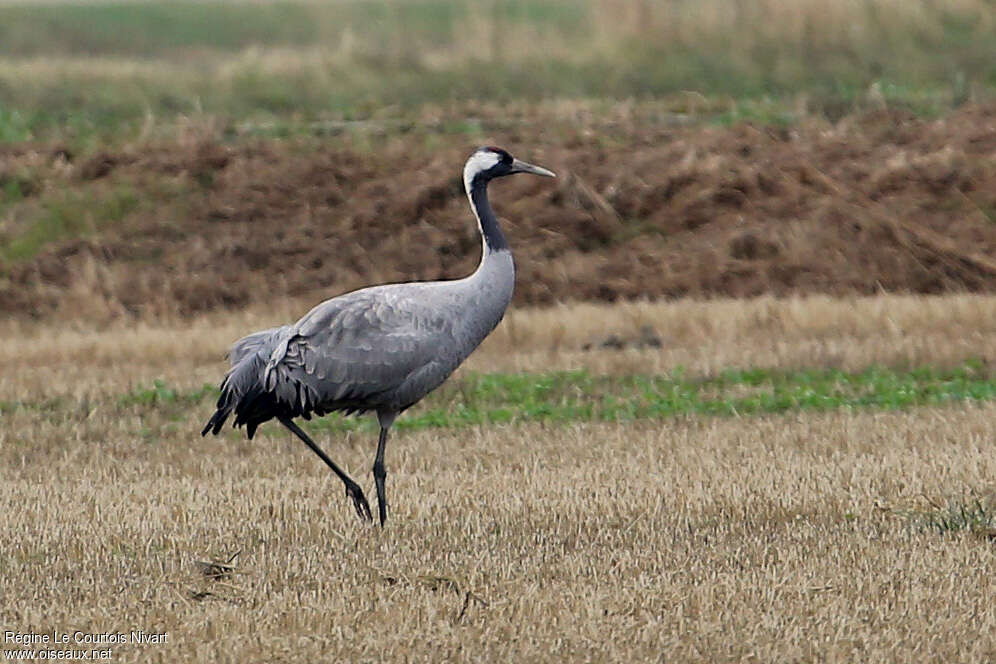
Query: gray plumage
(381, 348)
(378, 349)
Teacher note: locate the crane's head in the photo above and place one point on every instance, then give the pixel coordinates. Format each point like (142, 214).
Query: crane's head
(490, 162)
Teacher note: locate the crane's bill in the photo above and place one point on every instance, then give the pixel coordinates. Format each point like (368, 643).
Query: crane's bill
(522, 167)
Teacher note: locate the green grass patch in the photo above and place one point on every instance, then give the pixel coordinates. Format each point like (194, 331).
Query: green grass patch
(146, 29)
(160, 394)
(67, 214)
(14, 126)
(175, 29)
(578, 396)
(973, 516)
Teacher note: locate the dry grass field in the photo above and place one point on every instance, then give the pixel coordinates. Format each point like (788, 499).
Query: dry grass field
(845, 535)
(802, 475)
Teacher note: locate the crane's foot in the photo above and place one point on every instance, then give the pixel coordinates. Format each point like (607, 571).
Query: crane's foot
(360, 504)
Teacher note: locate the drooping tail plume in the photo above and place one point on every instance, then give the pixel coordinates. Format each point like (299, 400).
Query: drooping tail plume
(239, 391)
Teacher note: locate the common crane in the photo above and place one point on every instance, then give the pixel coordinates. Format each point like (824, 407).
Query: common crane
(377, 349)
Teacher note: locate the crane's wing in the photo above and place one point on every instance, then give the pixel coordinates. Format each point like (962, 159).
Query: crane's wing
(262, 341)
(352, 351)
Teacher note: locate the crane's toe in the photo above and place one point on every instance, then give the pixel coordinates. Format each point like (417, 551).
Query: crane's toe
(355, 493)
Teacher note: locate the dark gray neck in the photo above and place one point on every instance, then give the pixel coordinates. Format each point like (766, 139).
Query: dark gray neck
(494, 240)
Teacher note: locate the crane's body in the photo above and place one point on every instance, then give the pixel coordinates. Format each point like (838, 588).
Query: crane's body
(381, 348)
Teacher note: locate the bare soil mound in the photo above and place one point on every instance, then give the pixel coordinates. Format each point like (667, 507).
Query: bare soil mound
(881, 202)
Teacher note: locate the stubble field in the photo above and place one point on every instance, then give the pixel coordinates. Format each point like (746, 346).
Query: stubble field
(805, 474)
(858, 527)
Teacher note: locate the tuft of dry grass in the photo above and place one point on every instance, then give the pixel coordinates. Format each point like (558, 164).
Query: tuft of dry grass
(826, 537)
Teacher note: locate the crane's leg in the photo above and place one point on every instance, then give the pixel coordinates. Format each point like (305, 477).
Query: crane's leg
(380, 474)
(353, 489)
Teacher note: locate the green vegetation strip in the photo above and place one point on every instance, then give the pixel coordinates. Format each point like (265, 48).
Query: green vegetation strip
(975, 516)
(293, 62)
(578, 396)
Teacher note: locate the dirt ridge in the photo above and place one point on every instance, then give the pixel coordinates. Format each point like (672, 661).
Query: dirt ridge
(878, 202)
